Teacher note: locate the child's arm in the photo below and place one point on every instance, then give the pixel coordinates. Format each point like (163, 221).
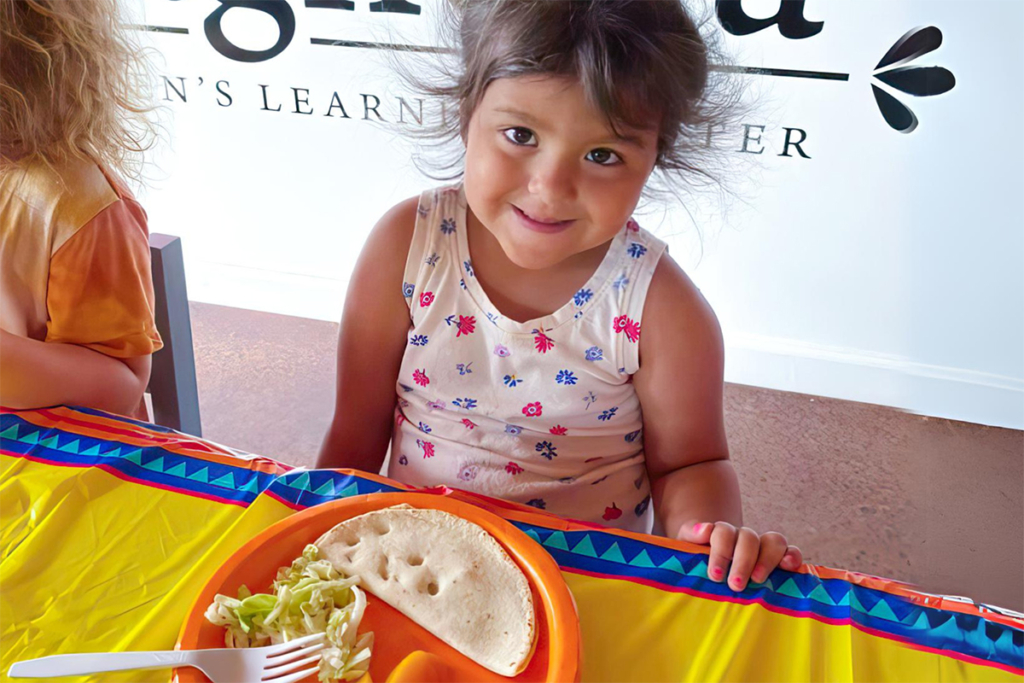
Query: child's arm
(35, 374)
(371, 343)
(680, 387)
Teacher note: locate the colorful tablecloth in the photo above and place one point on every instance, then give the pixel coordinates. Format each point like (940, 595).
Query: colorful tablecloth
(109, 528)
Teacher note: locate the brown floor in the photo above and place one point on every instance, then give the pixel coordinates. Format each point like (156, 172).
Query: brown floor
(933, 502)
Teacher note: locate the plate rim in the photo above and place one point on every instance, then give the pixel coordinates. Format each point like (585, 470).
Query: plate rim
(557, 599)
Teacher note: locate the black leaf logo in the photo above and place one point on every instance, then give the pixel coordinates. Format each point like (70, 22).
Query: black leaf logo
(919, 81)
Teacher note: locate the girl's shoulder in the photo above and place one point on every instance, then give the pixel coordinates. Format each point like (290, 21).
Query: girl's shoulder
(677, 315)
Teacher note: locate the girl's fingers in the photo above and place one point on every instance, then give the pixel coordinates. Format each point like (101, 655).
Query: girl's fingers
(748, 545)
(696, 532)
(773, 549)
(723, 542)
(792, 559)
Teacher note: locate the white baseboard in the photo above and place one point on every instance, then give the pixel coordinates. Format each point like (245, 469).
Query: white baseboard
(772, 363)
(854, 375)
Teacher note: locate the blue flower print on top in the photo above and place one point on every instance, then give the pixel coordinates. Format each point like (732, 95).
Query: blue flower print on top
(405, 387)
(469, 268)
(425, 428)
(632, 436)
(608, 414)
(466, 403)
(419, 340)
(589, 399)
(594, 354)
(565, 377)
(511, 381)
(620, 282)
(583, 296)
(448, 226)
(546, 449)
(464, 368)
(636, 250)
(432, 259)
(513, 430)
(641, 507)
(462, 282)
(537, 503)
(408, 289)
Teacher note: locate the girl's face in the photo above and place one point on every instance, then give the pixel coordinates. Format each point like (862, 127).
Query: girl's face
(546, 175)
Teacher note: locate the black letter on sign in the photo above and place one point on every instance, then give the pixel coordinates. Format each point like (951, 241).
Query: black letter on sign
(298, 101)
(223, 92)
(336, 102)
(367, 108)
(747, 138)
(790, 19)
(266, 106)
(168, 86)
(787, 143)
(279, 10)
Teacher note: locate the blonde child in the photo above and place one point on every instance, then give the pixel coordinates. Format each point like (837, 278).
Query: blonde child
(517, 333)
(76, 294)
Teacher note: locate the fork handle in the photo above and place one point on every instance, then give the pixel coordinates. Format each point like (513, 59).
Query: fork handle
(79, 664)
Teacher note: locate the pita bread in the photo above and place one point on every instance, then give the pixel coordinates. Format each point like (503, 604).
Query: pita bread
(446, 574)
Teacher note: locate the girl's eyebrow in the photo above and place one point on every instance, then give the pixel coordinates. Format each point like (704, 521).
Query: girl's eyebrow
(631, 140)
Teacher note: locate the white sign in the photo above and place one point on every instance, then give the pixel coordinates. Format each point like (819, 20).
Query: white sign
(876, 254)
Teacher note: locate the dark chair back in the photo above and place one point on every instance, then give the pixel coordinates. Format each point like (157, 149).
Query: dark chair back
(172, 383)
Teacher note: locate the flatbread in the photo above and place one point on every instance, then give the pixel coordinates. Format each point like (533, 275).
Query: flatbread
(446, 574)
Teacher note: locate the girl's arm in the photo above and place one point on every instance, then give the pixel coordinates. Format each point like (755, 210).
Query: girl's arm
(680, 387)
(371, 343)
(36, 374)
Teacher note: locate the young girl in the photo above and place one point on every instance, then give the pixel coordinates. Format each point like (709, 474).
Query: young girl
(518, 334)
(76, 294)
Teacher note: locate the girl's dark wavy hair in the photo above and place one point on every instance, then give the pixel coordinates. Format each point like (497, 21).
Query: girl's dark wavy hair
(638, 61)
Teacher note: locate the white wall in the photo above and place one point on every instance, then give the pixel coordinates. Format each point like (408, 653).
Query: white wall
(887, 268)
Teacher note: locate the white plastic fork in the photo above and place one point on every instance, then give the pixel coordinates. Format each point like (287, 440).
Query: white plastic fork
(273, 663)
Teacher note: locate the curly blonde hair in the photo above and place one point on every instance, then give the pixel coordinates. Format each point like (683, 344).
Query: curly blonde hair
(72, 84)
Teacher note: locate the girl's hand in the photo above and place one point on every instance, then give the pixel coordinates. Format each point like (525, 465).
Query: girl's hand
(752, 556)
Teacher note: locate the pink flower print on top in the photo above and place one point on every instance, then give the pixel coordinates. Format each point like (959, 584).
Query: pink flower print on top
(469, 423)
(543, 342)
(533, 409)
(426, 298)
(428, 448)
(632, 225)
(420, 377)
(466, 325)
(513, 469)
(558, 430)
(626, 324)
(501, 351)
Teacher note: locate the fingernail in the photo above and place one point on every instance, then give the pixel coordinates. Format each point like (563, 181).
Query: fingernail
(716, 572)
(697, 528)
(737, 583)
(757, 576)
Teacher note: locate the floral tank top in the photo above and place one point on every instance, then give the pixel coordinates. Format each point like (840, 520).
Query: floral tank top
(540, 412)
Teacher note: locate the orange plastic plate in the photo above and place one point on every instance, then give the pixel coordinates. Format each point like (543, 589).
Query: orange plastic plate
(557, 653)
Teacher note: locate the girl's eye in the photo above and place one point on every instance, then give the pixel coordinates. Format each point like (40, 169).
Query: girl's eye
(519, 136)
(604, 157)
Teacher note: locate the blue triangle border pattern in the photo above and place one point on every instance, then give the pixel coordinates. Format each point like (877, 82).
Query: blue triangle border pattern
(152, 465)
(833, 599)
(304, 488)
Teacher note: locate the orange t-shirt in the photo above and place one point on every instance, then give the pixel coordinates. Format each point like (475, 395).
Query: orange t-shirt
(74, 259)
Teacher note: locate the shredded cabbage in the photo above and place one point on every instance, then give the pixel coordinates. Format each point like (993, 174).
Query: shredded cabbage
(310, 596)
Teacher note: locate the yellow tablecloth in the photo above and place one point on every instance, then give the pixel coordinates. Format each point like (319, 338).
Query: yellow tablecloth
(109, 528)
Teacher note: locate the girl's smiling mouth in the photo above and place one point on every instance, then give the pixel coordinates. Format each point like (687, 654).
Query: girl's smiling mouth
(538, 225)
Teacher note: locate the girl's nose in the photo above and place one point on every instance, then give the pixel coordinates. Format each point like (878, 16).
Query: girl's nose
(553, 181)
